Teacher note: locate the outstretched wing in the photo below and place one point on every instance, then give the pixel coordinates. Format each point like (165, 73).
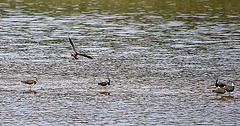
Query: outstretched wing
(76, 51)
(72, 44)
(85, 55)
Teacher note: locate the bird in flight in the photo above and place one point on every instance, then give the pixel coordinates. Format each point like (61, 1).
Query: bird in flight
(75, 54)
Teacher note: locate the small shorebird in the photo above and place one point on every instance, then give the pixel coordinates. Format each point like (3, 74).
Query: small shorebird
(230, 88)
(105, 84)
(76, 53)
(30, 83)
(219, 90)
(219, 84)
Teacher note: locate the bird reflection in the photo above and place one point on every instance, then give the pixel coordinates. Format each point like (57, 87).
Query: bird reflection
(224, 98)
(105, 93)
(30, 92)
(228, 97)
(221, 99)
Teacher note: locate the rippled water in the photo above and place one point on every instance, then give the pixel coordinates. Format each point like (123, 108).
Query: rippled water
(162, 57)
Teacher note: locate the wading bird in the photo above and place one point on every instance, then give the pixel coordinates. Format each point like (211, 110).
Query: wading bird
(219, 84)
(230, 88)
(30, 83)
(75, 54)
(105, 84)
(219, 90)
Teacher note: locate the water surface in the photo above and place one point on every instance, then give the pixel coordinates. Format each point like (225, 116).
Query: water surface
(162, 57)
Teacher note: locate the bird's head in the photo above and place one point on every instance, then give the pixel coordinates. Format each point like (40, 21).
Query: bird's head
(109, 81)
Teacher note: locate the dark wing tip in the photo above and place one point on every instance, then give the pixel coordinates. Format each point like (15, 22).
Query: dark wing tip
(70, 40)
(89, 57)
(85, 55)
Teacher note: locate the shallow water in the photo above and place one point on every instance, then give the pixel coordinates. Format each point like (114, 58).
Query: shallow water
(162, 58)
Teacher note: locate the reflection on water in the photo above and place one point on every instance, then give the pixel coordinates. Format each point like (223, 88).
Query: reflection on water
(104, 93)
(225, 98)
(29, 92)
(161, 55)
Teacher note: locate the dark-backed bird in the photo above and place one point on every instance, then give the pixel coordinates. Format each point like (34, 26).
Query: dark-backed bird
(230, 88)
(30, 83)
(75, 54)
(219, 90)
(219, 84)
(105, 84)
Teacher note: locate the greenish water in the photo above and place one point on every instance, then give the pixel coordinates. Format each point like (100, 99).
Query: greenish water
(162, 56)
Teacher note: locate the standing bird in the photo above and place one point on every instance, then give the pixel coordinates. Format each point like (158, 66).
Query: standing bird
(230, 88)
(219, 84)
(30, 82)
(105, 84)
(219, 90)
(76, 53)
